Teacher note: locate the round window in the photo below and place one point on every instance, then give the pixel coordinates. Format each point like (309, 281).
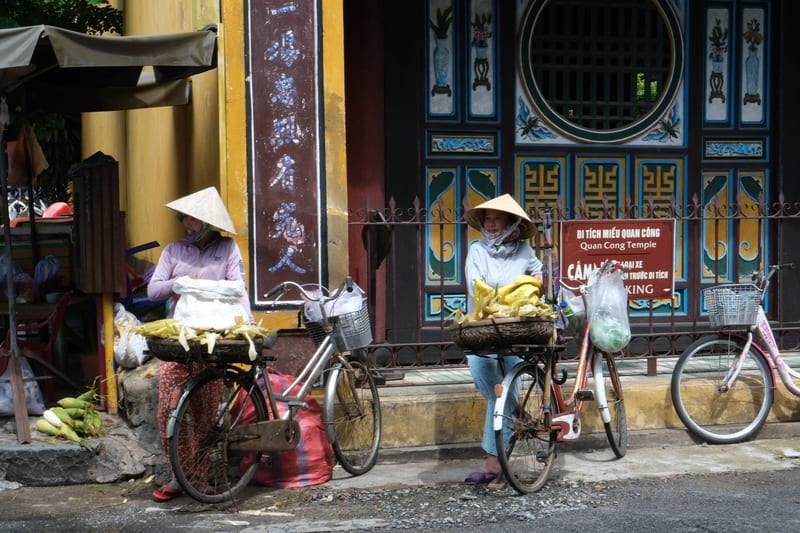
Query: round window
(601, 71)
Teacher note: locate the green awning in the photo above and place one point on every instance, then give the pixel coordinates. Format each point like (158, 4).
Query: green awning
(63, 70)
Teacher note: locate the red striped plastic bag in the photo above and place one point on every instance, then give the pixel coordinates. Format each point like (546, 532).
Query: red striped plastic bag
(311, 462)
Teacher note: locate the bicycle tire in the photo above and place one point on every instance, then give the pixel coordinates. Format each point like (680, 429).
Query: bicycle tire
(617, 427)
(201, 458)
(353, 416)
(700, 404)
(527, 453)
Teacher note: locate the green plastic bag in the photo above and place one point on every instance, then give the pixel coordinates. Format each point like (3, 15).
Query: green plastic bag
(610, 329)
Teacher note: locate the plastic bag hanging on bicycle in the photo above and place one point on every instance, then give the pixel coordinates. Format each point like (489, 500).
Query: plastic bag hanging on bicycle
(348, 302)
(608, 311)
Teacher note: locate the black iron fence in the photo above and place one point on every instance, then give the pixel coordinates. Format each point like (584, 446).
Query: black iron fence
(412, 316)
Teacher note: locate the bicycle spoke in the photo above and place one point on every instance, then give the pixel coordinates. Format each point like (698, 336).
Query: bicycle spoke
(525, 448)
(717, 411)
(201, 456)
(353, 415)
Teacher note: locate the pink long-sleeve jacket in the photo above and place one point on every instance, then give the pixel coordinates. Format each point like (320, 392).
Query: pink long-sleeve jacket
(220, 260)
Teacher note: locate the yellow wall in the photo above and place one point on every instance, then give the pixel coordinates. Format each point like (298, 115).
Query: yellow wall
(167, 152)
(334, 131)
(233, 121)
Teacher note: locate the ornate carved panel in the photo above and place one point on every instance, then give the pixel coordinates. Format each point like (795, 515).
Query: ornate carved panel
(442, 260)
(718, 82)
(285, 162)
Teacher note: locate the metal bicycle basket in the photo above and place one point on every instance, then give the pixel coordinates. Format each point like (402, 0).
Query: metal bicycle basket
(733, 305)
(352, 330)
(316, 330)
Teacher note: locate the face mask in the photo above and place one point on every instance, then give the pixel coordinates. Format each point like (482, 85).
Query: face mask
(497, 238)
(199, 235)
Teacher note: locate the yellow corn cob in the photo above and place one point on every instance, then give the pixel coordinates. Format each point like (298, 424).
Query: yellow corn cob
(516, 305)
(481, 286)
(69, 434)
(47, 428)
(482, 293)
(74, 412)
(518, 281)
(62, 415)
(524, 278)
(68, 402)
(167, 327)
(93, 423)
(520, 292)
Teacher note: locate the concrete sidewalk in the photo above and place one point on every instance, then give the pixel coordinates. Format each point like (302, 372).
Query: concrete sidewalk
(657, 454)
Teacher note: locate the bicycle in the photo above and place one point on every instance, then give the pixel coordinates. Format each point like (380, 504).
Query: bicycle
(733, 371)
(233, 434)
(532, 414)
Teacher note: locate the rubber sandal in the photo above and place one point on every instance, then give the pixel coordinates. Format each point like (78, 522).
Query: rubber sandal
(478, 478)
(166, 493)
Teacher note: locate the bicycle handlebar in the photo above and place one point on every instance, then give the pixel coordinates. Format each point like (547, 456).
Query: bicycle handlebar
(285, 286)
(280, 287)
(762, 281)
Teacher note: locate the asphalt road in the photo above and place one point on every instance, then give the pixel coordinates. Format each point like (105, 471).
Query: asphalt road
(743, 487)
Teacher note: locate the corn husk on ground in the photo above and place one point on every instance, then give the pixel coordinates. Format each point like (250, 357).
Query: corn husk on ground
(520, 298)
(75, 419)
(169, 328)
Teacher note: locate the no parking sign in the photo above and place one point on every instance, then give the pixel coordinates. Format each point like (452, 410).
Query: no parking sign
(645, 247)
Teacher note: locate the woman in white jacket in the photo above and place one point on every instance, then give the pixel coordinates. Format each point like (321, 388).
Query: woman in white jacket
(497, 258)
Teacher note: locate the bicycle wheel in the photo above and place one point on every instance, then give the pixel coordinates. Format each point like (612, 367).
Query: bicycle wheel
(526, 450)
(715, 415)
(612, 404)
(200, 434)
(353, 416)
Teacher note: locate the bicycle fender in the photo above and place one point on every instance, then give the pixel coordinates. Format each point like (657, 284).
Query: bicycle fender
(499, 404)
(330, 392)
(600, 388)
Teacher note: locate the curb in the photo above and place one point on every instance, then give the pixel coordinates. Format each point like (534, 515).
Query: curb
(650, 438)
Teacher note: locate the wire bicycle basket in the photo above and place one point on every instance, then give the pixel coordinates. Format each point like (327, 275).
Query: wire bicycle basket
(732, 306)
(350, 330)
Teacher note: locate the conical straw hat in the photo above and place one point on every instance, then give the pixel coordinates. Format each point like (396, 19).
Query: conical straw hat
(507, 204)
(205, 205)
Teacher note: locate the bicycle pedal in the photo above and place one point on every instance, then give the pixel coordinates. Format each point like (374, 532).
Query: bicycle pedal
(378, 378)
(585, 395)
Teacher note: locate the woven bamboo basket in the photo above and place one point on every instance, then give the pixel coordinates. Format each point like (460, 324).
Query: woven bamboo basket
(502, 333)
(225, 351)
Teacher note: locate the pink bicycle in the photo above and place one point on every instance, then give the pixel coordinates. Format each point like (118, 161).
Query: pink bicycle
(723, 385)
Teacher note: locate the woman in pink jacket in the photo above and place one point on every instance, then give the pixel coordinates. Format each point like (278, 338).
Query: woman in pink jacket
(203, 253)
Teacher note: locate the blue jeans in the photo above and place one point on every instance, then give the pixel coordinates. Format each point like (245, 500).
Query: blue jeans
(487, 371)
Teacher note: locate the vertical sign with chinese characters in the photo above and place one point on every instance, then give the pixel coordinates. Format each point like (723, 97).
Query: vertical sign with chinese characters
(645, 247)
(284, 138)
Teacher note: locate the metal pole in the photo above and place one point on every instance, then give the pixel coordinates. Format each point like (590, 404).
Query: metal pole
(15, 370)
